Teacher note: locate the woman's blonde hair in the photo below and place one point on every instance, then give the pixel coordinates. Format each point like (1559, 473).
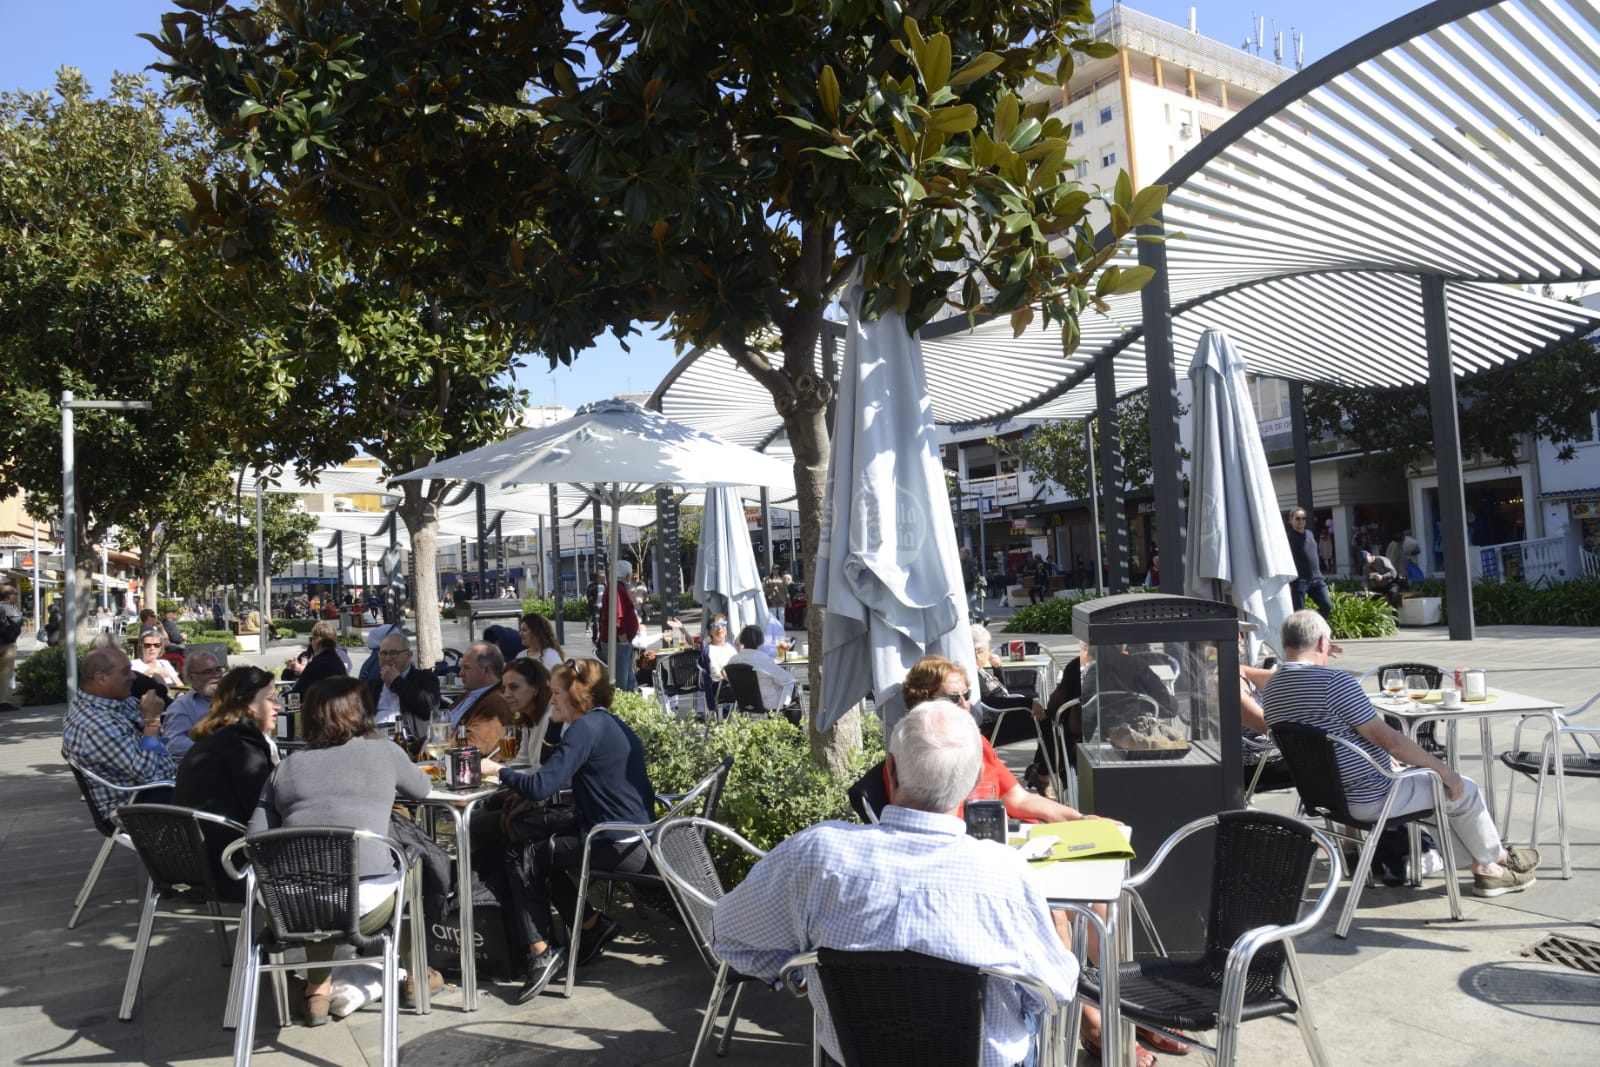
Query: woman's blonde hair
(588, 683)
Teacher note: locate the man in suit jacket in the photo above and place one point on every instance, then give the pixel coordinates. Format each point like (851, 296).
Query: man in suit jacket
(403, 693)
(480, 717)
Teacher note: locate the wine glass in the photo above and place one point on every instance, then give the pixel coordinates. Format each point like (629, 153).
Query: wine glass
(1394, 682)
(1416, 686)
(438, 738)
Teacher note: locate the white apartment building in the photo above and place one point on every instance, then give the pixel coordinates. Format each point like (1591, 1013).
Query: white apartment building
(1139, 111)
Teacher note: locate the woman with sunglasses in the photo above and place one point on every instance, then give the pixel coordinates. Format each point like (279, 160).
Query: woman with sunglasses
(937, 678)
(232, 756)
(604, 762)
(150, 664)
(714, 656)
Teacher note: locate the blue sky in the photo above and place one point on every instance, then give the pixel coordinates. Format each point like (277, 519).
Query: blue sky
(98, 36)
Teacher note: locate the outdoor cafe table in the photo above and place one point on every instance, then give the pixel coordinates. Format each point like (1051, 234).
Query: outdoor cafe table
(1412, 714)
(1085, 883)
(1043, 667)
(460, 804)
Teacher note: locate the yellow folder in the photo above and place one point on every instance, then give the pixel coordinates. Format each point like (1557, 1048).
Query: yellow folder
(1085, 839)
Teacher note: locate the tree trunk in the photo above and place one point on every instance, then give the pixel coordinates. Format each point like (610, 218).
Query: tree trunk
(807, 426)
(421, 515)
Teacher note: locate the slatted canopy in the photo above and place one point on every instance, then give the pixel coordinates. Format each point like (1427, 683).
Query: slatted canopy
(1460, 141)
(1380, 219)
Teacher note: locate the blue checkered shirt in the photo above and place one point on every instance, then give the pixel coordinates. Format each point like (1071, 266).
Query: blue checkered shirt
(107, 737)
(914, 882)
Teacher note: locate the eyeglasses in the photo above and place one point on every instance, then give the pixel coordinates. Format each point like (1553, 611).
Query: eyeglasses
(394, 653)
(1298, 518)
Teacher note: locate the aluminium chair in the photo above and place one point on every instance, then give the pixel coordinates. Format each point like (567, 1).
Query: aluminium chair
(1312, 756)
(685, 863)
(171, 843)
(307, 881)
(707, 793)
(1261, 870)
(1541, 765)
(906, 1007)
(122, 794)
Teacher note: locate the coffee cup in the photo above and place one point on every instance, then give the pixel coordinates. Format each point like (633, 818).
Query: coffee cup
(1450, 698)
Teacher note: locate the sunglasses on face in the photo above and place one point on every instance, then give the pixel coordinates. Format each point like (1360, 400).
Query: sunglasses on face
(156, 645)
(963, 697)
(719, 626)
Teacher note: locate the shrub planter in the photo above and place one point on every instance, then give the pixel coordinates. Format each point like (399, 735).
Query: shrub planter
(1421, 611)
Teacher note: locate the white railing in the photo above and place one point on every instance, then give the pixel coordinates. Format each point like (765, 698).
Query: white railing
(1548, 559)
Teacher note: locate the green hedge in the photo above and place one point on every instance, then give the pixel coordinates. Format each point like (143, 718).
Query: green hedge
(1054, 616)
(299, 626)
(42, 677)
(573, 609)
(774, 789)
(1359, 616)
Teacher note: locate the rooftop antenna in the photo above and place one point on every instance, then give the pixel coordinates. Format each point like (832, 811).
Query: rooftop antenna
(1261, 32)
(1277, 44)
(1194, 20)
(1299, 49)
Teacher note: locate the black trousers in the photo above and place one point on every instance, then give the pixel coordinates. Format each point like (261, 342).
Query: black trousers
(540, 873)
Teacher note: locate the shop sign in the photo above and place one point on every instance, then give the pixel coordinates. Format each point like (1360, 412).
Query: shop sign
(1585, 509)
(1019, 525)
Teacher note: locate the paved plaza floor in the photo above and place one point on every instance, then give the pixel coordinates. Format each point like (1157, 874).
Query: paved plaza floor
(1408, 986)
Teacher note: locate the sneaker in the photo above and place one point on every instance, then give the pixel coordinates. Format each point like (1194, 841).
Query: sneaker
(1522, 859)
(1511, 881)
(592, 940)
(541, 969)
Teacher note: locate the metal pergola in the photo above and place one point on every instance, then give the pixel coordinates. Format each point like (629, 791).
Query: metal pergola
(1376, 220)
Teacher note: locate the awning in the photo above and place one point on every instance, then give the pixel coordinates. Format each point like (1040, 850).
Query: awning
(1573, 494)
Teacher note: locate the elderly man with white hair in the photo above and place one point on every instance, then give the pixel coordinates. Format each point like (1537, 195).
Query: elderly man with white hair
(201, 670)
(913, 882)
(1306, 690)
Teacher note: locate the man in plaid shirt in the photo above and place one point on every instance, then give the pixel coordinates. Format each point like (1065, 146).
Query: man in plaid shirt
(108, 732)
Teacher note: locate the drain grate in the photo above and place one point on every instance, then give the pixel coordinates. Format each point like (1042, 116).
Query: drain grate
(1572, 952)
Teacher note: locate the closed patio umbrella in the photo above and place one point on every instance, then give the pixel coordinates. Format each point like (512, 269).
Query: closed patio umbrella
(888, 573)
(1237, 549)
(726, 578)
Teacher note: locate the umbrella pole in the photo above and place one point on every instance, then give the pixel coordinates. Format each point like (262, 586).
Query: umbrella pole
(612, 602)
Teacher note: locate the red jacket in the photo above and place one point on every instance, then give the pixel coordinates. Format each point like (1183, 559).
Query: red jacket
(627, 618)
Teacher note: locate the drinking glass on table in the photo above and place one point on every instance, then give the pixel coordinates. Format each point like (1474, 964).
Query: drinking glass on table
(507, 749)
(1394, 683)
(1416, 686)
(438, 738)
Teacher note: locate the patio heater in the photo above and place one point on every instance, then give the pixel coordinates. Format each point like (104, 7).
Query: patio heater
(1161, 737)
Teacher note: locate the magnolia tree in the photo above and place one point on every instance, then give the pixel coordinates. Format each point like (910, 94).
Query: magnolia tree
(548, 172)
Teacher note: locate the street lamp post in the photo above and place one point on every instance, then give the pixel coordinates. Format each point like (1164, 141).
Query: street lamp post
(69, 518)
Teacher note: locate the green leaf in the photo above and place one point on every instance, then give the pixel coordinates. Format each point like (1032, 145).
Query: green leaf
(828, 91)
(1005, 116)
(981, 64)
(957, 119)
(1123, 194)
(1147, 204)
(1132, 280)
(936, 63)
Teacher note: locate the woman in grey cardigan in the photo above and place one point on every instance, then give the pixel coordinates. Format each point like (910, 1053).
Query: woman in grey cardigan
(347, 776)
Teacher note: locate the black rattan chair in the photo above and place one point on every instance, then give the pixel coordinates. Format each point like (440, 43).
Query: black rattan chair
(1425, 733)
(308, 882)
(171, 843)
(686, 865)
(124, 794)
(869, 794)
(1261, 867)
(707, 793)
(678, 675)
(744, 686)
(1314, 764)
(905, 1007)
